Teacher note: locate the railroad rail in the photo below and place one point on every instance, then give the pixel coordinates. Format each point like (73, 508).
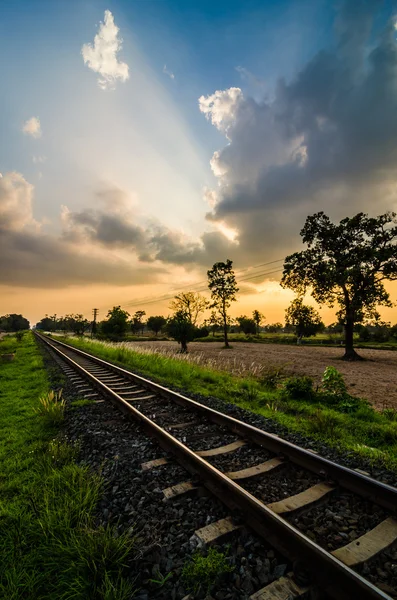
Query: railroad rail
(145, 401)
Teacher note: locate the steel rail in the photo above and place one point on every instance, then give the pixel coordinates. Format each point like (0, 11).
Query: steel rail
(378, 492)
(331, 574)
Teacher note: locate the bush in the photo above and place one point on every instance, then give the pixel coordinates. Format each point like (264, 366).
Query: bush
(333, 383)
(201, 332)
(202, 572)
(299, 388)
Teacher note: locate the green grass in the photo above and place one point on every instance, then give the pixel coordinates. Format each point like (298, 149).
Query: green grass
(356, 428)
(49, 544)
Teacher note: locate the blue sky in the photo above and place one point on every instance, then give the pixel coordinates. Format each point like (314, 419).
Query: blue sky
(222, 125)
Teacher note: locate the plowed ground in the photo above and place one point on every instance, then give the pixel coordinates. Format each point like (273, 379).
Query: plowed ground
(374, 379)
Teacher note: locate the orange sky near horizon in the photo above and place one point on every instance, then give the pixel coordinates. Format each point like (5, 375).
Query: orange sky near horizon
(270, 299)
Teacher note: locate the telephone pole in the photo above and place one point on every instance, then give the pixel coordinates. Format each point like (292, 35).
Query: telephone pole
(93, 327)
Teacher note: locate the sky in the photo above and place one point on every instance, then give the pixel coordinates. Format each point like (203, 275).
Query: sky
(144, 140)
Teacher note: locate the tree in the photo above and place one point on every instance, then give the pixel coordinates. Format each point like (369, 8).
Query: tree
(190, 303)
(214, 322)
(223, 286)
(13, 322)
(258, 317)
(46, 324)
(246, 325)
(78, 324)
(305, 319)
(137, 323)
(346, 264)
(181, 329)
(274, 328)
(116, 323)
(156, 324)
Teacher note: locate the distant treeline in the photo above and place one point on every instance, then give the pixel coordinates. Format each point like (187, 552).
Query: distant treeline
(13, 322)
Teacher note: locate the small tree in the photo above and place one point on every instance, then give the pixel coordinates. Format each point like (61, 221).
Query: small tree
(137, 323)
(305, 319)
(181, 329)
(79, 324)
(246, 325)
(258, 318)
(190, 303)
(223, 286)
(116, 323)
(214, 322)
(156, 324)
(346, 264)
(274, 328)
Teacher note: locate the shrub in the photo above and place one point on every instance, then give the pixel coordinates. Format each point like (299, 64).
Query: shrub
(333, 382)
(299, 388)
(52, 407)
(201, 572)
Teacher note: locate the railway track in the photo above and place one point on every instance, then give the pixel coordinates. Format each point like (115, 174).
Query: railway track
(271, 483)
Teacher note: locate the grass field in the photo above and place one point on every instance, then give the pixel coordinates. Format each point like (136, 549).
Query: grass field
(49, 544)
(345, 423)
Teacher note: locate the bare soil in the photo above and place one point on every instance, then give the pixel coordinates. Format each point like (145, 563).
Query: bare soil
(374, 378)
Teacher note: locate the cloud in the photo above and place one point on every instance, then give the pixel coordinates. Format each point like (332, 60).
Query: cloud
(101, 57)
(32, 127)
(325, 141)
(114, 225)
(168, 72)
(16, 196)
(31, 258)
(39, 159)
(221, 108)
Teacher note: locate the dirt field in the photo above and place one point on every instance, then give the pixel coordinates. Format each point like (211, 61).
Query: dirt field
(374, 379)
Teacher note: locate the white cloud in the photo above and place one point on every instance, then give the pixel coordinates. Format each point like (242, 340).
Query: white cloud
(39, 159)
(32, 127)
(101, 57)
(16, 196)
(221, 107)
(168, 72)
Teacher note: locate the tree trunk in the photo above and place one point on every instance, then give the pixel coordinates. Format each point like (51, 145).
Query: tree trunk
(225, 332)
(183, 347)
(350, 354)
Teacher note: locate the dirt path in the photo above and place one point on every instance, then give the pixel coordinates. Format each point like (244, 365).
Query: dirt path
(374, 378)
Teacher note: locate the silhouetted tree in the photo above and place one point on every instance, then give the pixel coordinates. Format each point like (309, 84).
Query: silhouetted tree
(116, 323)
(156, 324)
(246, 325)
(223, 286)
(305, 319)
(13, 322)
(346, 264)
(181, 329)
(258, 317)
(137, 323)
(191, 303)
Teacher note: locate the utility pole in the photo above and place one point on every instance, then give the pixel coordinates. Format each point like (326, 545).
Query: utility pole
(93, 327)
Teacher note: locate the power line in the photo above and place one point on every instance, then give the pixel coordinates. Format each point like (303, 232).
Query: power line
(149, 299)
(170, 295)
